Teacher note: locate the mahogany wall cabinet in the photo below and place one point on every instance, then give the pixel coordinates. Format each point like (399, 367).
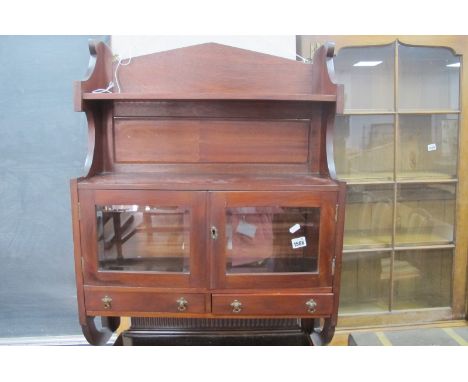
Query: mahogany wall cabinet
(210, 191)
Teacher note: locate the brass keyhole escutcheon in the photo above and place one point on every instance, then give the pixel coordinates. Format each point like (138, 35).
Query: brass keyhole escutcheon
(214, 232)
(182, 304)
(236, 306)
(311, 305)
(107, 302)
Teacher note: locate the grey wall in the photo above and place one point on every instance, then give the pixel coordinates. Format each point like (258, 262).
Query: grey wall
(42, 145)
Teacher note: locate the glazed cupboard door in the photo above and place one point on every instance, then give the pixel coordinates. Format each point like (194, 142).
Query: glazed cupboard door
(143, 238)
(271, 239)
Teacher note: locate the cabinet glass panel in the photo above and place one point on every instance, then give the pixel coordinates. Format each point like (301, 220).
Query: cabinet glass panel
(368, 77)
(363, 147)
(369, 216)
(425, 214)
(428, 146)
(366, 280)
(272, 239)
(141, 238)
(429, 78)
(422, 278)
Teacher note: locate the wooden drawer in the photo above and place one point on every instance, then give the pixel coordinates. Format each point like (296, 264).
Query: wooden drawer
(133, 301)
(274, 304)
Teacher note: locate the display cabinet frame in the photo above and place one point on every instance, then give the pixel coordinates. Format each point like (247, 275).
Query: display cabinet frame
(458, 305)
(199, 127)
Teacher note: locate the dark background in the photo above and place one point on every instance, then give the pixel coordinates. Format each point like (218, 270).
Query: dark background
(42, 145)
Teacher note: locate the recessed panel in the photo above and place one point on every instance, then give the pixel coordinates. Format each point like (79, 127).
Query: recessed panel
(211, 141)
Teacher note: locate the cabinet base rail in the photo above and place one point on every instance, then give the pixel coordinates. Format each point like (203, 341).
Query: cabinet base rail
(161, 331)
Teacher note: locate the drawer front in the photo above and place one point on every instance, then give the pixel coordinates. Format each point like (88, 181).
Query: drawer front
(273, 304)
(143, 302)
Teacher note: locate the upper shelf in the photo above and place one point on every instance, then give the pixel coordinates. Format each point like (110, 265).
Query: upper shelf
(209, 96)
(203, 182)
(209, 72)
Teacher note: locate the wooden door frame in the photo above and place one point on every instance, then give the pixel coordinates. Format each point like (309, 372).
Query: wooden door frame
(326, 201)
(194, 200)
(459, 46)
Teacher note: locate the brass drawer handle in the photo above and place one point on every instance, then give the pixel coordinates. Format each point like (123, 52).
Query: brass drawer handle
(236, 306)
(182, 304)
(107, 302)
(311, 305)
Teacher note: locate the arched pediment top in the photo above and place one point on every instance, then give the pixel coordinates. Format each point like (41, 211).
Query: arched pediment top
(408, 42)
(216, 69)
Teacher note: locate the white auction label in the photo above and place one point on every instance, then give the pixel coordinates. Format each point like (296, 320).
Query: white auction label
(295, 228)
(432, 147)
(299, 242)
(246, 229)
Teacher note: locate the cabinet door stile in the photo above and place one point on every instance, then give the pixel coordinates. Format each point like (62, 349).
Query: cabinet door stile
(217, 220)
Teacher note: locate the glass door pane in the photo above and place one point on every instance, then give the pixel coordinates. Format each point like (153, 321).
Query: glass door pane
(425, 214)
(369, 216)
(143, 238)
(429, 78)
(364, 147)
(368, 76)
(428, 146)
(366, 277)
(422, 278)
(272, 239)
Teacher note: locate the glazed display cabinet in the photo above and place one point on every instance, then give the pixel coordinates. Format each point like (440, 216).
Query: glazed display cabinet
(210, 200)
(397, 145)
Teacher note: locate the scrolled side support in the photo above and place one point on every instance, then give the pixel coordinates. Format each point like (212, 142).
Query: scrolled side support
(98, 74)
(323, 336)
(101, 336)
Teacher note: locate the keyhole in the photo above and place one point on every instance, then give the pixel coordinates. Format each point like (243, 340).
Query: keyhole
(214, 233)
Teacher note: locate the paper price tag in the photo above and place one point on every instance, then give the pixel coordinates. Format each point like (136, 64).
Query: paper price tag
(246, 229)
(299, 242)
(432, 147)
(295, 228)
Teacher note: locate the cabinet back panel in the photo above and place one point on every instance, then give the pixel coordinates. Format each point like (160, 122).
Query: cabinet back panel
(211, 141)
(218, 109)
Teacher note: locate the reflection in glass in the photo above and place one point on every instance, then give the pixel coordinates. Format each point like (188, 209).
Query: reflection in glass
(363, 147)
(429, 78)
(365, 278)
(425, 214)
(143, 238)
(368, 77)
(369, 216)
(422, 278)
(272, 239)
(428, 146)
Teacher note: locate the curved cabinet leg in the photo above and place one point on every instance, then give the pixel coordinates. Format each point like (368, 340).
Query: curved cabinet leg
(97, 336)
(307, 325)
(324, 336)
(112, 323)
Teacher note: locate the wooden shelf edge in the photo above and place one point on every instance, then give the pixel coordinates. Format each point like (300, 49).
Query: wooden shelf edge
(357, 182)
(398, 248)
(350, 321)
(207, 96)
(364, 112)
